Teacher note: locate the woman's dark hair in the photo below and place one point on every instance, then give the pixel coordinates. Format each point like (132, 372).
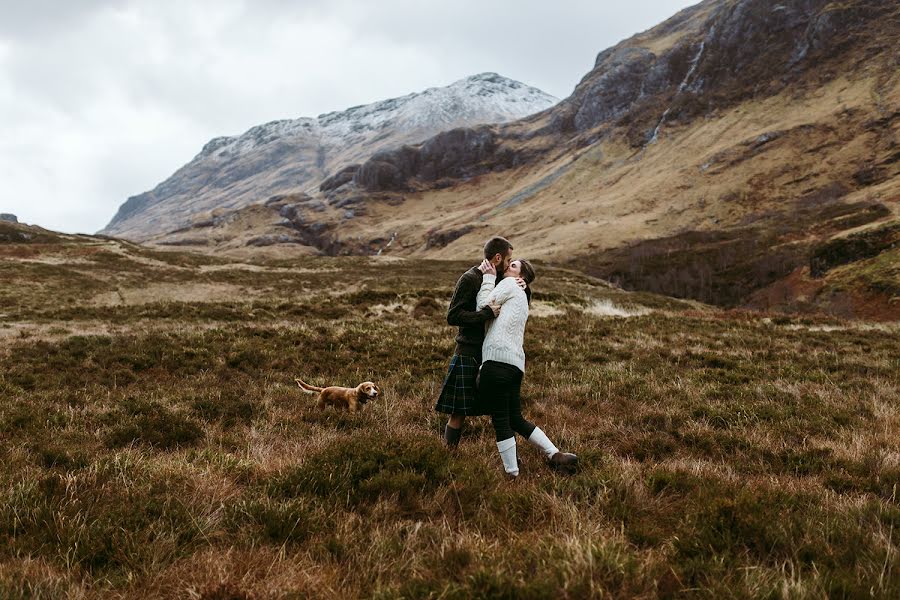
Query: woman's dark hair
(495, 246)
(528, 275)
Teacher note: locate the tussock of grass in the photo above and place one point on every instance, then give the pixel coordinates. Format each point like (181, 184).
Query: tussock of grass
(152, 424)
(360, 471)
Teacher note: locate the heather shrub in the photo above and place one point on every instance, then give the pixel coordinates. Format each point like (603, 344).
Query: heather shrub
(153, 424)
(358, 471)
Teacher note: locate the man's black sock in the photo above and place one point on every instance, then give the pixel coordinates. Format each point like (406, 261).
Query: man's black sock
(452, 435)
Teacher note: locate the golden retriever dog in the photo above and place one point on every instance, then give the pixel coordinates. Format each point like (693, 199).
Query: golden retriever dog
(351, 399)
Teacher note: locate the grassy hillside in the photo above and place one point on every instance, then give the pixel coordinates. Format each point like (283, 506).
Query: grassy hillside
(155, 446)
(854, 275)
(709, 157)
(716, 210)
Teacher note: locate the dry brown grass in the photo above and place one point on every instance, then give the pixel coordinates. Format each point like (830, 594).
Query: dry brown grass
(162, 450)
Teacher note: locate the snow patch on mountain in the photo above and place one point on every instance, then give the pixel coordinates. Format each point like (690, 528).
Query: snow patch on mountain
(486, 97)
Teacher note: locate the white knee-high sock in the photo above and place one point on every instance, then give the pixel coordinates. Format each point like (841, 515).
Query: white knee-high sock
(507, 450)
(540, 439)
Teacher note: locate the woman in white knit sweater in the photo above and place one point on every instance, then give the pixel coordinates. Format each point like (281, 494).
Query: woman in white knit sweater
(503, 367)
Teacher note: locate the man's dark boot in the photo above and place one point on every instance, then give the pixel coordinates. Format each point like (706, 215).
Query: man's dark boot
(564, 462)
(452, 435)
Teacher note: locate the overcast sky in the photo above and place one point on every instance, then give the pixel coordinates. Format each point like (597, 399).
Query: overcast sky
(102, 99)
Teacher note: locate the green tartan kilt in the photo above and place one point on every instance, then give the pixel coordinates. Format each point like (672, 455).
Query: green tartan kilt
(458, 394)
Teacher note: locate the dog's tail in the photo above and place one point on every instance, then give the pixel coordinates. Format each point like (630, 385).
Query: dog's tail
(308, 388)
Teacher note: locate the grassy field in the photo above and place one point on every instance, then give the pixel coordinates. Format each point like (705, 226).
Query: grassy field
(154, 444)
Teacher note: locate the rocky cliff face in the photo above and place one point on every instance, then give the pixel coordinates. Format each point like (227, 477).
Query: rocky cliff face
(455, 154)
(706, 59)
(296, 155)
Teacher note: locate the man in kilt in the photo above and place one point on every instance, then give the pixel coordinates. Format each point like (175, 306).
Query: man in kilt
(457, 396)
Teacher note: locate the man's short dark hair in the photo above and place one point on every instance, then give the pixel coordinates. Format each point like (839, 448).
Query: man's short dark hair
(496, 245)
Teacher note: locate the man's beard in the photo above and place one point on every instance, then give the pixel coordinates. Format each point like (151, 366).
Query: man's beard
(500, 273)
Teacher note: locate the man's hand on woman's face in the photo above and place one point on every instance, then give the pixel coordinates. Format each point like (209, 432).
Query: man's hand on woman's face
(487, 268)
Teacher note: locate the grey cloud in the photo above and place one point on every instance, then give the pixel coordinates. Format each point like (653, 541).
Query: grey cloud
(26, 20)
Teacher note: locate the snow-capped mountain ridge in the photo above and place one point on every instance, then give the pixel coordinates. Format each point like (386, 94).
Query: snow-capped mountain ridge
(473, 97)
(295, 155)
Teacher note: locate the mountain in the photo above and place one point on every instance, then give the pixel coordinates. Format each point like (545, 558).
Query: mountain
(296, 155)
(710, 157)
(713, 157)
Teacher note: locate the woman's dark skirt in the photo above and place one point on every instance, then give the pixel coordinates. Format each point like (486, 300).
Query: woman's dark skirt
(458, 395)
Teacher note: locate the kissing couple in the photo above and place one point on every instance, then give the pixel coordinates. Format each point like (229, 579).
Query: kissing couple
(490, 306)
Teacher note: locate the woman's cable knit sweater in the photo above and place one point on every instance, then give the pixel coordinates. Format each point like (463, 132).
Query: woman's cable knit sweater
(505, 336)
